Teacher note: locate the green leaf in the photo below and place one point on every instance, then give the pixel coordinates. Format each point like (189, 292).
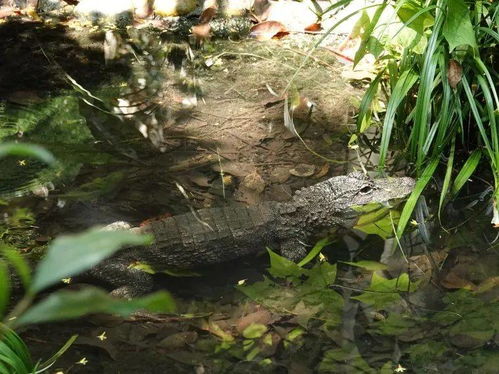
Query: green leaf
(367, 33)
(457, 28)
(26, 150)
(466, 171)
(65, 304)
(413, 199)
(384, 292)
(363, 118)
(14, 354)
(281, 267)
(58, 354)
(18, 262)
(407, 79)
(254, 331)
(4, 286)
(415, 17)
(72, 254)
(314, 251)
(368, 265)
(448, 175)
(379, 222)
(320, 276)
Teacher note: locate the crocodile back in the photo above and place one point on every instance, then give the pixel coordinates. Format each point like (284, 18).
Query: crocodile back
(210, 236)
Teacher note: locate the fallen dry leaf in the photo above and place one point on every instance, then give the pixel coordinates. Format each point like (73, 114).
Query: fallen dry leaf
(454, 73)
(207, 15)
(303, 170)
(260, 316)
(260, 10)
(268, 30)
(201, 32)
(455, 281)
(254, 182)
(314, 27)
(322, 171)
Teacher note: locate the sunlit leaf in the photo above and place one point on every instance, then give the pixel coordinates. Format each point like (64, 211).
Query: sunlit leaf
(65, 304)
(366, 35)
(363, 118)
(405, 82)
(268, 30)
(72, 254)
(254, 331)
(314, 251)
(415, 16)
(379, 222)
(207, 14)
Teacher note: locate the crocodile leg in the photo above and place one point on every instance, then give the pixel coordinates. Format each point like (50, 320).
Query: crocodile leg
(125, 280)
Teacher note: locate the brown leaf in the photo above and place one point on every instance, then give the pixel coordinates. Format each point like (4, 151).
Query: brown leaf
(207, 15)
(7, 12)
(314, 27)
(453, 280)
(454, 73)
(303, 170)
(178, 340)
(268, 30)
(254, 182)
(201, 32)
(260, 316)
(322, 171)
(261, 10)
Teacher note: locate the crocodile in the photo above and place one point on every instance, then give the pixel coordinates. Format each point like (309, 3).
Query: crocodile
(216, 235)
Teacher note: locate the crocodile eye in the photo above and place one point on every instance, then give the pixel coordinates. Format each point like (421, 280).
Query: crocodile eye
(365, 190)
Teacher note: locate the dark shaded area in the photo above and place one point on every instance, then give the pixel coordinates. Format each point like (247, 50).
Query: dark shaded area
(35, 56)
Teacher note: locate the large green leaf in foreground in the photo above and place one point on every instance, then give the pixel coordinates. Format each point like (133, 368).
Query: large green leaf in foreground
(73, 304)
(72, 254)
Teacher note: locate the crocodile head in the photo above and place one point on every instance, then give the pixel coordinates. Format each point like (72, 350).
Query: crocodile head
(338, 195)
(357, 189)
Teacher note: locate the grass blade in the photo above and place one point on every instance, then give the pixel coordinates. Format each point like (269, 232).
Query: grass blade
(466, 171)
(413, 199)
(407, 79)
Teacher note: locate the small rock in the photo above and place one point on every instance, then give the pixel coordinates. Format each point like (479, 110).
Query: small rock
(254, 182)
(303, 170)
(174, 8)
(279, 175)
(119, 12)
(235, 8)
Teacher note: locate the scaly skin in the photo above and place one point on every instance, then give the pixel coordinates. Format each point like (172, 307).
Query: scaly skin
(218, 235)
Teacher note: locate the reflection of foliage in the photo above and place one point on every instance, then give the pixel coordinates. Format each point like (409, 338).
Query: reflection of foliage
(54, 123)
(310, 298)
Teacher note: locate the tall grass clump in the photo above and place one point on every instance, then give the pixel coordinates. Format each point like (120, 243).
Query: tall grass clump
(437, 68)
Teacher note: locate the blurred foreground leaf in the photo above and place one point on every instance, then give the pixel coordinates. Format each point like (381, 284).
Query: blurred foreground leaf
(26, 150)
(73, 304)
(72, 254)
